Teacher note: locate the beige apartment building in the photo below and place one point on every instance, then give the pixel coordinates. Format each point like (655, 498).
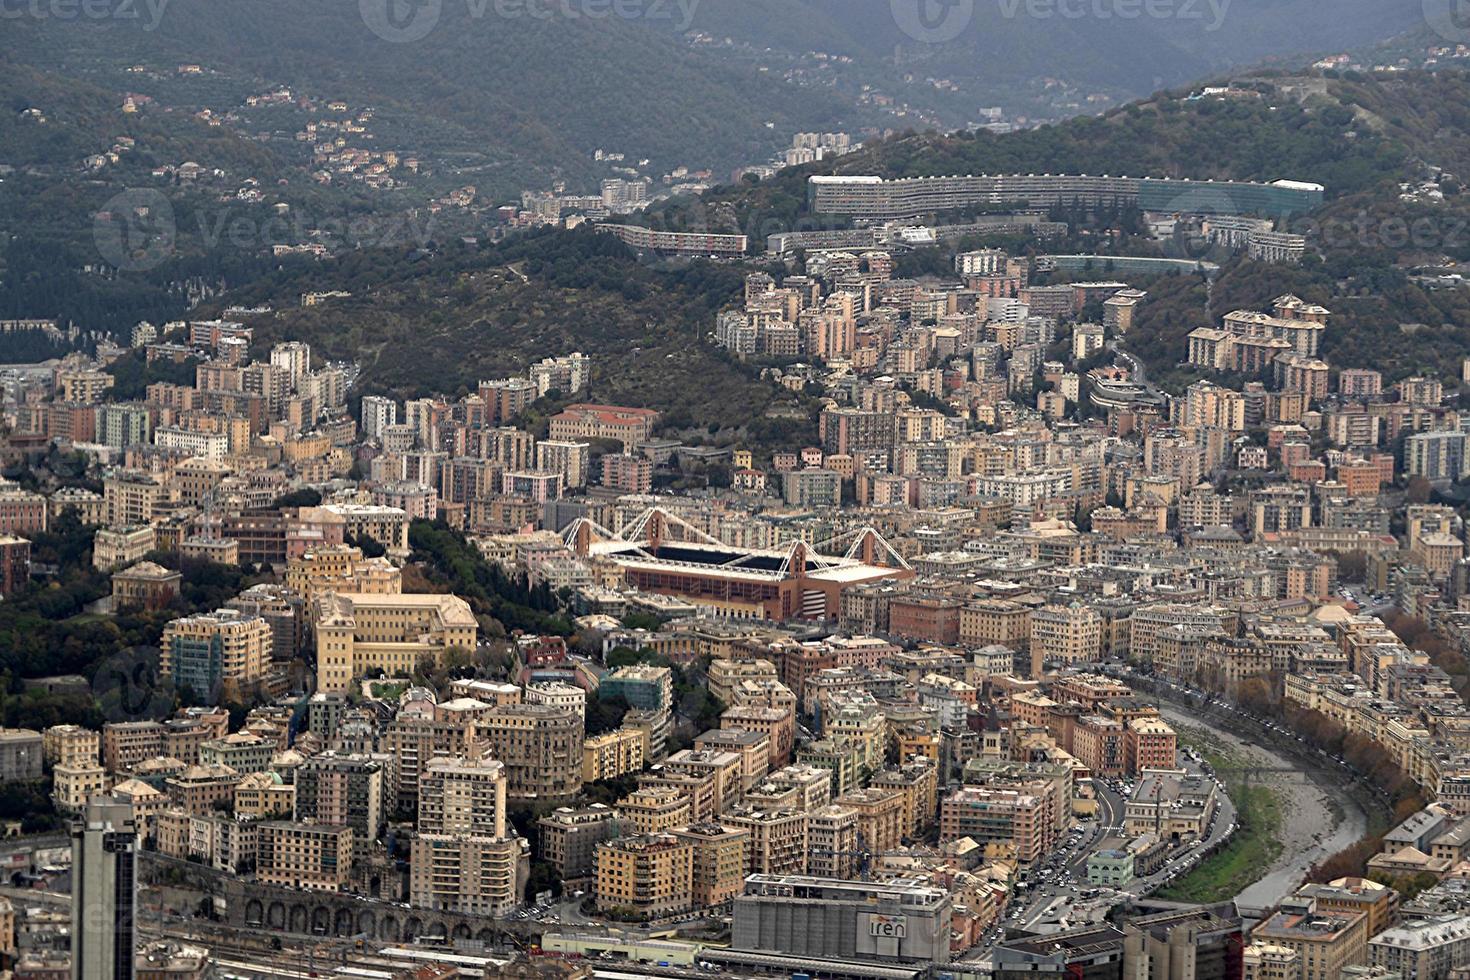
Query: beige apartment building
(127, 743)
(264, 795)
(304, 856)
(70, 745)
(1265, 961)
(132, 498)
(778, 839)
(341, 568)
(75, 783)
(612, 754)
(558, 695)
(1064, 634)
(541, 748)
(357, 631)
(832, 842)
(651, 875)
(777, 724)
(1324, 940)
(226, 646)
(468, 873)
(386, 525)
(463, 795)
(883, 816)
(718, 862)
(116, 547)
(753, 748)
(199, 788)
(651, 809)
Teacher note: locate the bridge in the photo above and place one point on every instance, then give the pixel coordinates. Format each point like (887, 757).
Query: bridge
(250, 906)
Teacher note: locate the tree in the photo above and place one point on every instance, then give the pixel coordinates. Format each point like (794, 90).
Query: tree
(1352, 566)
(305, 497)
(606, 714)
(543, 878)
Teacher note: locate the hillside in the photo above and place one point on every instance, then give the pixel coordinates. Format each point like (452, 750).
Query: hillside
(429, 313)
(447, 321)
(1303, 128)
(515, 100)
(1391, 149)
(1032, 60)
(515, 95)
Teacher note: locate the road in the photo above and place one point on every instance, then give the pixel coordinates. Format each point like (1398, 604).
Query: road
(1064, 874)
(1136, 371)
(1322, 819)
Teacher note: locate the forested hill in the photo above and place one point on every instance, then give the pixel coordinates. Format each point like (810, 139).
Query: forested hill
(513, 99)
(1355, 135)
(426, 323)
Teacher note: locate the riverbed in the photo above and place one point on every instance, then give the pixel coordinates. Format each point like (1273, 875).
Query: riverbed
(1316, 823)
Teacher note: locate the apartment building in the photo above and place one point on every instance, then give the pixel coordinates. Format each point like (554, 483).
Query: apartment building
(73, 784)
(68, 745)
(1325, 941)
(132, 498)
(569, 838)
(341, 790)
(1149, 743)
(1424, 948)
(540, 746)
(356, 632)
(651, 809)
(778, 839)
(304, 856)
(116, 547)
(717, 864)
(651, 875)
(242, 751)
(1013, 822)
(463, 795)
(341, 568)
(204, 652)
(1064, 634)
(467, 873)
(612, 754)
(127, 743)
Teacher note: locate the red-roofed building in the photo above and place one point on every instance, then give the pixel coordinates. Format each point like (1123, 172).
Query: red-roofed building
(630, 426)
